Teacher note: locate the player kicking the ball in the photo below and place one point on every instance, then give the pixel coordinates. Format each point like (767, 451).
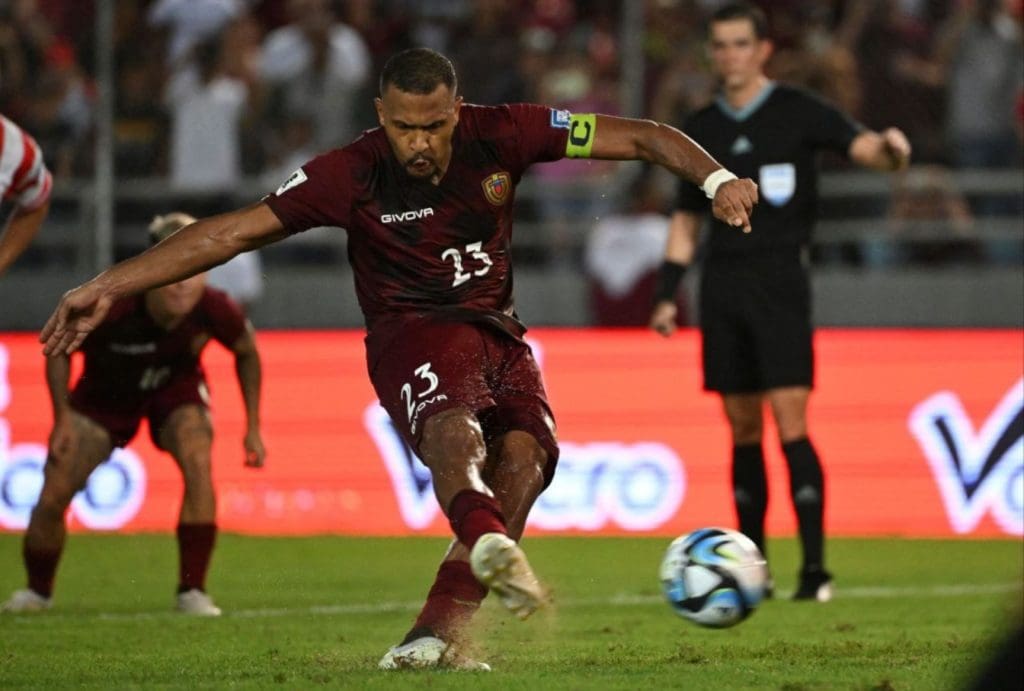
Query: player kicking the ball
(427, 200)
(143, 361)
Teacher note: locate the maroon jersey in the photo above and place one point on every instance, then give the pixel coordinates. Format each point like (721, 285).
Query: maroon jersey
(129, 358)
(418, 247)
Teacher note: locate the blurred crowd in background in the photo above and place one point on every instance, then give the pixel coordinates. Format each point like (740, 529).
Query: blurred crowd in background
(214, 94)
(274, 81)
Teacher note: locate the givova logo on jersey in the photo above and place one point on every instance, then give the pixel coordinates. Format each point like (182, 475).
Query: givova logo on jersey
(978, 472)
(111, 498)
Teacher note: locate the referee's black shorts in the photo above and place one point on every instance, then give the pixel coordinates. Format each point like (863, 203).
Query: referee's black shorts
(755, 318)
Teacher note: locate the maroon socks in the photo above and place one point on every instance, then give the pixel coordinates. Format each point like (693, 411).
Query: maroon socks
(456, 594)
(195, 545)
(472, 513)
(41, 567)
(451, 603)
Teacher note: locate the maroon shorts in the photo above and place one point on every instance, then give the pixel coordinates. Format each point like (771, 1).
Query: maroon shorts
(431, 364)
(122, 423)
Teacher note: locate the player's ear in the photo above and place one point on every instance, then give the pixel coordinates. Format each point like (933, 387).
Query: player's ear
(456, 106)
(379, 105)
(765, 49)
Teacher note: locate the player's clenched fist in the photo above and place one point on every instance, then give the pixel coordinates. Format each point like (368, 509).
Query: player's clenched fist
(734, 201)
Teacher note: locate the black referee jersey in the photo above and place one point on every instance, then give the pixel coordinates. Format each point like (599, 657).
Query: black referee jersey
(774, 140)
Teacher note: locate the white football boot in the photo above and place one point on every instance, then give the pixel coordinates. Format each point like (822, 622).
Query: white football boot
(429, 652)
(500, 564)
(197, 603)
(26, 601)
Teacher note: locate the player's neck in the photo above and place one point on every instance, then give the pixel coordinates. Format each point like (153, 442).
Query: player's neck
(741, 95)
(164, 320)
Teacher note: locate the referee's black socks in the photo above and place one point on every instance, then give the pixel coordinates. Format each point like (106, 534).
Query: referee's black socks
(750, 491)
(807, 487)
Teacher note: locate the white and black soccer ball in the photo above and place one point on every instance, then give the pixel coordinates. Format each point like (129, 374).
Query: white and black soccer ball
(714, 577)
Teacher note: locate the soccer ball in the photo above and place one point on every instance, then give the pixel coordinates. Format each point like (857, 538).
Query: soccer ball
(714, 577)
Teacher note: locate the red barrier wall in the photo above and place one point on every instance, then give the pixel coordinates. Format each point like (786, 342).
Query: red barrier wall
(921, 432)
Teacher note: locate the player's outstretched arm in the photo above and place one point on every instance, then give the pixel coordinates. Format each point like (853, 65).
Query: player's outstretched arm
(887, 150)
(680, 247)
(626, 139)
(249, 371)
(22, 226)
(193, 249)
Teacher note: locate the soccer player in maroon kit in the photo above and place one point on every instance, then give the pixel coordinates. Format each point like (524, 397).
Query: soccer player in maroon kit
(427, 201)
(143, 361)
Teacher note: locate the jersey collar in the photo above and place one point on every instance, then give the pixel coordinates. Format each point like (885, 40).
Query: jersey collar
(741, 114)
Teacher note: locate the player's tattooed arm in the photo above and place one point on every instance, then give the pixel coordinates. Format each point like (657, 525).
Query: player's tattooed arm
(627, 139)
(193, 249)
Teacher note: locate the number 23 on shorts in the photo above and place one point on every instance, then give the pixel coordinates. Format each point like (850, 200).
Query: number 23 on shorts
(424, 389)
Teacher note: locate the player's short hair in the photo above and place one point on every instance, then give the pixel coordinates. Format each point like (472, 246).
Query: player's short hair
(742, 10)
(418, 71)
(163, 226)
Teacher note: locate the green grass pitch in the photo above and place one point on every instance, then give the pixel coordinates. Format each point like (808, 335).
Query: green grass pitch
(319, 612)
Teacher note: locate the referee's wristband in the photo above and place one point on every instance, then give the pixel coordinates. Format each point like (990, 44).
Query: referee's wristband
(666, 284)
(715, 180)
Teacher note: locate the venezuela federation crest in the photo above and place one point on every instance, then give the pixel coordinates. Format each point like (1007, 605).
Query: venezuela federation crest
(497, 187)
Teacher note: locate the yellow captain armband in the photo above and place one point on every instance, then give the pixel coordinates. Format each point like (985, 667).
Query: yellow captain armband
(582, 128)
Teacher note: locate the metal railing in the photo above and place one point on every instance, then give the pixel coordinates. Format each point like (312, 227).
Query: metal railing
(70, 241)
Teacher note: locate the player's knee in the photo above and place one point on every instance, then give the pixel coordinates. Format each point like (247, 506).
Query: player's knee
(185, 429)
(188, 442)
(453, 433)
(522, 457)
(195, 466)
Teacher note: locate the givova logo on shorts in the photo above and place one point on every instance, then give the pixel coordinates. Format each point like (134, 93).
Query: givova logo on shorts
(111, 498)
(977, 472)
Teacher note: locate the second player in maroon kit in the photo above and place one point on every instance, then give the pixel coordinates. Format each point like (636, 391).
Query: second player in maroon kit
(143, 362)
(134, 368)
(427, 202)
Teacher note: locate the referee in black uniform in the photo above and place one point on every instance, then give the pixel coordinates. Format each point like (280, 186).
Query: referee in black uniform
(755, 301)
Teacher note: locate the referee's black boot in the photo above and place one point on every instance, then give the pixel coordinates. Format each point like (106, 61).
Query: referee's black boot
(815, 584)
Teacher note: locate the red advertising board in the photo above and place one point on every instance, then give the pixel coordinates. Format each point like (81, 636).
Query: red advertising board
(921, 433)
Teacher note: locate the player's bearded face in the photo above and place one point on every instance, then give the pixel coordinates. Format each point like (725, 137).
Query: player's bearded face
(738, 54)
(419, 128)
